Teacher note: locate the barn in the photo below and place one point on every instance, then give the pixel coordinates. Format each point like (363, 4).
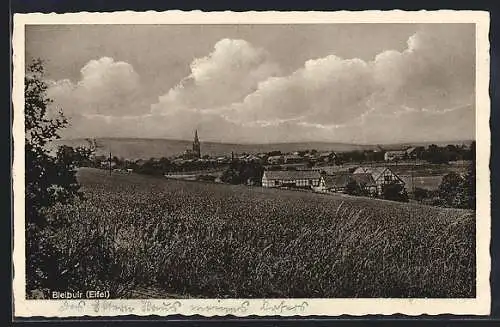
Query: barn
(337, 182)
(366, 182)
(380, 175)
(291, 178)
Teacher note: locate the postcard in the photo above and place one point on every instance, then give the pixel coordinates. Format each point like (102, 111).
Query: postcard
(251, 163)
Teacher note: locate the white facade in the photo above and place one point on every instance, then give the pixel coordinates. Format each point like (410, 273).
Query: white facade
(301, 179)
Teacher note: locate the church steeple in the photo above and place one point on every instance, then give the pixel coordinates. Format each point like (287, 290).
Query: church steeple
(196, 145)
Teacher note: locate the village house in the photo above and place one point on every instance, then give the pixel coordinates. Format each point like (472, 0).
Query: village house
(411, 153)
(336, 182)
(394, 155)
(252, 158)
(292, 178)
(327, 156)
(339, 181)
(293, 159)
(275, 160)
(366, 183)
(380, 175)
(222, 160)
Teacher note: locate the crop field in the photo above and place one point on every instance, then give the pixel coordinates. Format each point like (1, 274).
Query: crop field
(202, 240)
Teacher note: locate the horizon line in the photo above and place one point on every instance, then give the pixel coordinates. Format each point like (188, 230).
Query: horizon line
(271, 143)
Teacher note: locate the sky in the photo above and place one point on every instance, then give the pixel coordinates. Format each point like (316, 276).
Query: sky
(350, 83)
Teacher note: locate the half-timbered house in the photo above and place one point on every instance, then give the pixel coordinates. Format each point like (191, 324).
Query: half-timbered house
(292, 178)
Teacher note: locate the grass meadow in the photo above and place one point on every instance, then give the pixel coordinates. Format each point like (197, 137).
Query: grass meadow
(201, 240)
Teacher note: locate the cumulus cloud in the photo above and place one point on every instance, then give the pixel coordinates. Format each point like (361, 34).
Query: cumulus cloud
(328, 90)
(436, 71)
(231, 71)
(237, 94)
(105, 87)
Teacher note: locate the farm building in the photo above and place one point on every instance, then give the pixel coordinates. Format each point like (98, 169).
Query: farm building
(327, 156)
(275, 160)
(292, 178)
(366, 182)
(394, 155)
(293, 159)
(380, 175)
(409, 153)
(338, 182)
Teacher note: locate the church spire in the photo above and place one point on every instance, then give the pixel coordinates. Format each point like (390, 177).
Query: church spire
(196, 144)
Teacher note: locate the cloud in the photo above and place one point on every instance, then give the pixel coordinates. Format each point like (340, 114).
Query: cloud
(230, 72)
(410, 125)
(237, 94)
(436, 71)
(328, 90)
(106, 87)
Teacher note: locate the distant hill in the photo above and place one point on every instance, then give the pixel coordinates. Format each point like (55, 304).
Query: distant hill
(397, 146)
(132, 148)
(136, 148)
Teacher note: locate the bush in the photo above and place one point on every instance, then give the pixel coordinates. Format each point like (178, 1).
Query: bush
(453, 191)
(240, 172)
(355, 188)
(421, 194)
(395, 192)
(49, 180)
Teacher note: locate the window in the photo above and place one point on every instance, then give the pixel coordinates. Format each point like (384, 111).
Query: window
(387, 178)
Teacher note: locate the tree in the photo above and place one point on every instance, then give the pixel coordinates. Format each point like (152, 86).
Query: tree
(395, 192)
(49, 178)
(353, 188)
(451, 190)
(470, 188)
(470, 179)
(421, 194)
(241, 172)
(460, 191)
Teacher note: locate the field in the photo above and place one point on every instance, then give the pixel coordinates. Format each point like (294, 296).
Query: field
(191, 239)
(425, 182)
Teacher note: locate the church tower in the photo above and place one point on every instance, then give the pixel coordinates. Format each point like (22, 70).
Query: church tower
(196, 145)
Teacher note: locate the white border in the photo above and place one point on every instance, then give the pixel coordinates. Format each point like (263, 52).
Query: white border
(324, 307)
